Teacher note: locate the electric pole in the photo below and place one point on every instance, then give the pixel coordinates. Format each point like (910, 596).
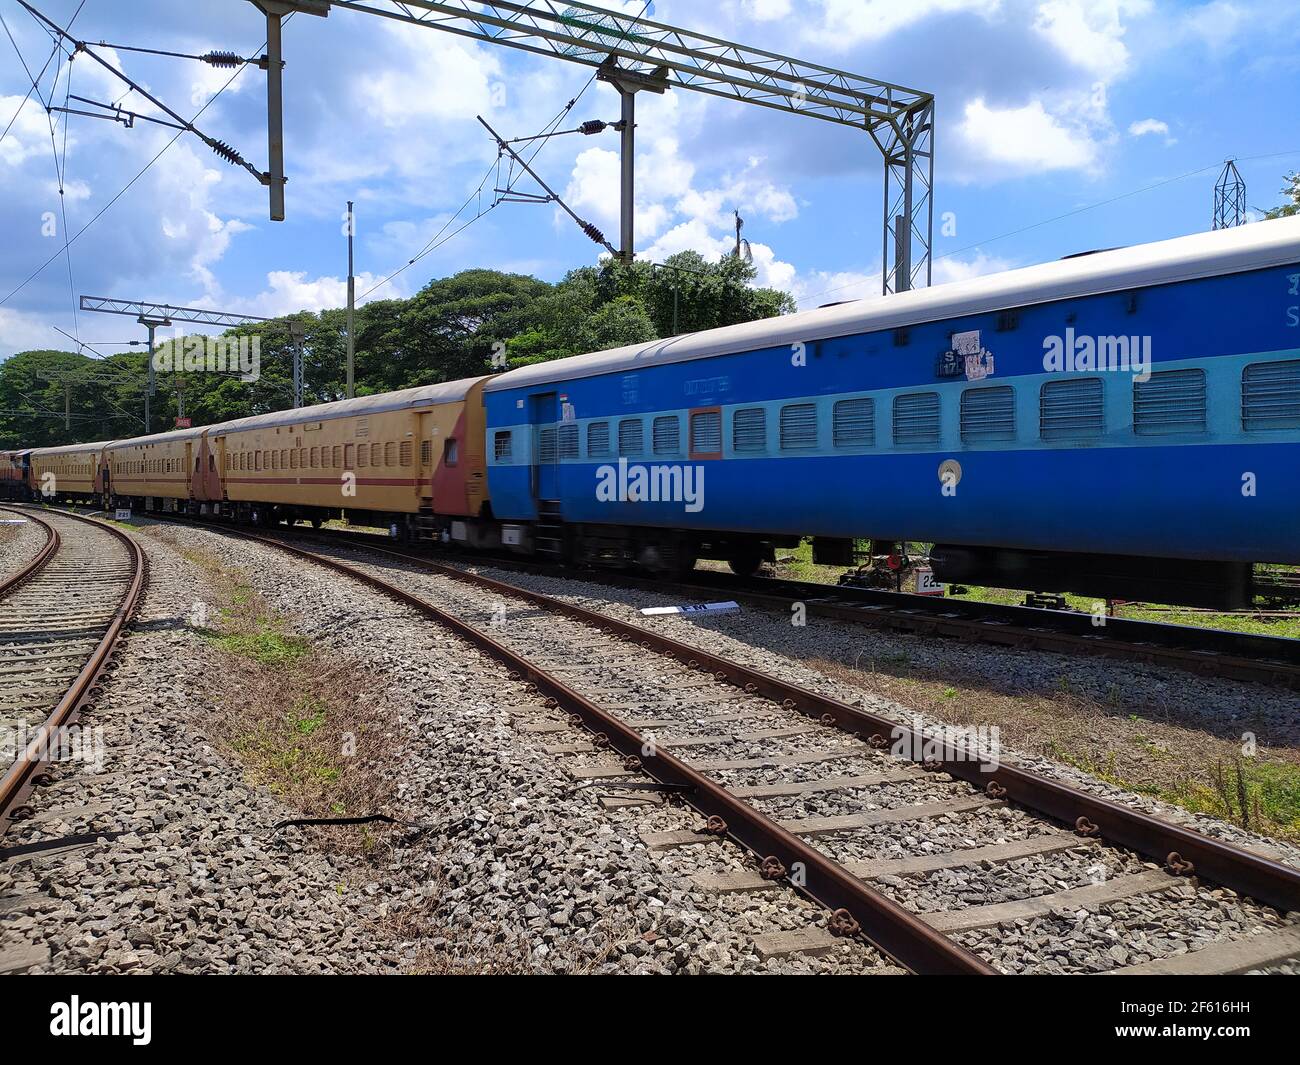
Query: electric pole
(352, 306)
(151, 387)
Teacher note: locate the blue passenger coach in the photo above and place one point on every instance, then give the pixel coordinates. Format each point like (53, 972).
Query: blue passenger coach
(1123, 418)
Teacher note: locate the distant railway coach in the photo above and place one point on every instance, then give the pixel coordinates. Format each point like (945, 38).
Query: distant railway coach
(73, 473)
(412, 460)
(13, 475)
(1124, 423)
(173, 472)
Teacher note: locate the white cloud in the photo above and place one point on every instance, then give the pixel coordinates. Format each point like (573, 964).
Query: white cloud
(1025, 139)
(290, 291)
(671, 212)
(24, 331)
(1216, 24)
(820, 287)
(846, 23)
(1151, 126)
(950, 268)
(1090, 32)
(766, 10)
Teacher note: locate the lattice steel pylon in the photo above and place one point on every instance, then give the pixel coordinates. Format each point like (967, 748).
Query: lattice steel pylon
(631, 53)
(1229, 197)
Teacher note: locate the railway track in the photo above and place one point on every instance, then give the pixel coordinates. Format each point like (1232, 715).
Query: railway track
(61, 617)
(810, 788)
(1269, 660)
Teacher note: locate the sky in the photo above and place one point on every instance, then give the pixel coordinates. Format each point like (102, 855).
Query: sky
(1062, 126)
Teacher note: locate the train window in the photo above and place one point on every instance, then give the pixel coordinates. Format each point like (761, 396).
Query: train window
(405, 453)
(426, 452)
(376, 454)
(568, 441)
(294, 459)
(212, 462)
(916, 419)
(631, 437)
(799, 427)
(503, 447)
(1172, 401)
(1071, 410)
(749, 430)
(1270, 396)
(390, 454)
(988, 414)
(316, 458)
(667, 435)
(260, 460)
(349, 457)
(451, 453)
(854, 423)
(338, 456)
(363, 453)
(597, 439)
(546, 447)
(706, 433)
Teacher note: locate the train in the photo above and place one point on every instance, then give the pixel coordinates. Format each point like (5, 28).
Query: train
(1122, 424)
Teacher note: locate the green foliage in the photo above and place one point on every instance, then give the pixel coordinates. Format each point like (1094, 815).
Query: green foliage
(1292, 191)
(451, 329)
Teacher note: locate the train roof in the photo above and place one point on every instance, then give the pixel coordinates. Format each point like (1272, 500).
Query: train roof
(69, 449)
(1228, 251)
(385, 402)
(158, 438)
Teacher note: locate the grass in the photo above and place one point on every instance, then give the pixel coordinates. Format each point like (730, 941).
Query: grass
(295, 715)
(1247, 623)
(1184, 763)
(797, 564)
(267, 646)
(1263, 796)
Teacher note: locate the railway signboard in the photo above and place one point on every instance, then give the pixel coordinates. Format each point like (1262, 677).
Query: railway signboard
(927, 585)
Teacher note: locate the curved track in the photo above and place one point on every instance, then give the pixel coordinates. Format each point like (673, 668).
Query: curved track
(952, 781)
(60, 619)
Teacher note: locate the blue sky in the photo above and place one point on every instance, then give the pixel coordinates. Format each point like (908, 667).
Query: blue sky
(1043, 106)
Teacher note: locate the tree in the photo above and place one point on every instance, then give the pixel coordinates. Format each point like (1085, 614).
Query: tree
(1292, 190)
(103, 398)
(454, 327)
(688, 294)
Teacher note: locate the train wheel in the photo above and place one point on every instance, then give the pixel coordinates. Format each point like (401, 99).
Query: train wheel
(746, 563)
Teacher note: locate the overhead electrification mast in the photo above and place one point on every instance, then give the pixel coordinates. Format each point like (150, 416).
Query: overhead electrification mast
(636, 55)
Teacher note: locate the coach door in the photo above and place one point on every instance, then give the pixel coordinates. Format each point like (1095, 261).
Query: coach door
(546, 453)
(428, 438)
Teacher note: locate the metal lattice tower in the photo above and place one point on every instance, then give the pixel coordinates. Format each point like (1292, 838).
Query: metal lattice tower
(155, 315)
(1229, 198)
(637, 55)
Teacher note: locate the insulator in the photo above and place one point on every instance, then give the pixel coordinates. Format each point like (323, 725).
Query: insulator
(223, 59)
(594, 233)
(226, 152)
(593, 127)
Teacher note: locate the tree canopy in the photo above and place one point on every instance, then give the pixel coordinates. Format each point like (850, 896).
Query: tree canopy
(1291, 191)
(473, 323)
